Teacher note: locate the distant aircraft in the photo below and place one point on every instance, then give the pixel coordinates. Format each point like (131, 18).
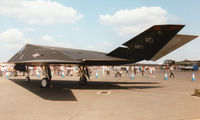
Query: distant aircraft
(152, 44)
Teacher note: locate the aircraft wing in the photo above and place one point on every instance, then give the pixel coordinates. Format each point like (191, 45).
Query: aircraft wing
(151, 44)
(37, 55)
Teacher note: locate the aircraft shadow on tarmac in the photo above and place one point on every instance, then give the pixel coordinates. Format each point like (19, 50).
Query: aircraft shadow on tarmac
(62, 88)
(55, 94)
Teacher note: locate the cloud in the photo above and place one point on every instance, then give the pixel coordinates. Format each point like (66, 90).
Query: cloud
(39, 11)
(51, 41)
(47, 38)
(29, 29)
(11, 41)
(126, 22)
(103, 46)
(13, 38)
(11, 35)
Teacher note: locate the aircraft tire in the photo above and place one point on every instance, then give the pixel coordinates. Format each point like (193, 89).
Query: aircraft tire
(27, 79)
(83, 80)
(45, 83)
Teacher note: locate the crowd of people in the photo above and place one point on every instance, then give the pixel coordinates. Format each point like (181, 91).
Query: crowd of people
(118, 71)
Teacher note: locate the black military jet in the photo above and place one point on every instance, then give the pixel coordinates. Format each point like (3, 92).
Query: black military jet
(152, 44)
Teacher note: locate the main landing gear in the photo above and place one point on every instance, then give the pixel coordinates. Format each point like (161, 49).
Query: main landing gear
(46, 81)
(84, 74)
(27, 79)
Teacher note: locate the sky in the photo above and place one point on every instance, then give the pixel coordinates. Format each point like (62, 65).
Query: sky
(100, 25)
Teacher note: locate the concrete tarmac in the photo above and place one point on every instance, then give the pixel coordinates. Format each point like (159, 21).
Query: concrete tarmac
(103, 98)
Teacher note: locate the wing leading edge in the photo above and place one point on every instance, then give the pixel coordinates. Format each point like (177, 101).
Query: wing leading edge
(37, 54)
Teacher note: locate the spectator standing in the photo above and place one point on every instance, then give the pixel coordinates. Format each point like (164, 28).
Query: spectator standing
(172, 72)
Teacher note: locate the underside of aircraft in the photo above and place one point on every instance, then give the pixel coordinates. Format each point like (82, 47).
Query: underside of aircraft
(152, 44)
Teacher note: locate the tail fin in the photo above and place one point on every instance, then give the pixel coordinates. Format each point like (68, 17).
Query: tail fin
(145, 45)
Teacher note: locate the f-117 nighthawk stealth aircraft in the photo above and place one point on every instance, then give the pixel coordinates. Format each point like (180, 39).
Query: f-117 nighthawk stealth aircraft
(152, 44)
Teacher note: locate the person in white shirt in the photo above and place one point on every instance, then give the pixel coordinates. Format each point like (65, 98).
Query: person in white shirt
(172, 72)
